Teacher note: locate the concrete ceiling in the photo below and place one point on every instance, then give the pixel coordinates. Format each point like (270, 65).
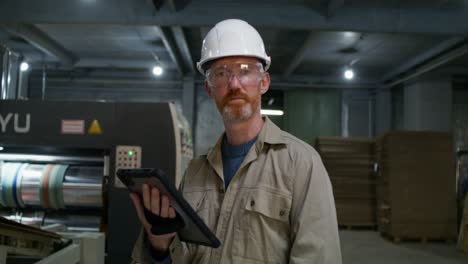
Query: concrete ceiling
(384, 41)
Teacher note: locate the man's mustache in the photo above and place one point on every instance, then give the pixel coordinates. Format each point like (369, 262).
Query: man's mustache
(235, 95)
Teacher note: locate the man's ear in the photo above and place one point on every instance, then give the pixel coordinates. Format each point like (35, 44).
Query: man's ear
(207, 89)
(265, 83)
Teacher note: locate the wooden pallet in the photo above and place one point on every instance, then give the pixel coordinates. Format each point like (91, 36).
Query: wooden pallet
(423, 240)
(364, 226)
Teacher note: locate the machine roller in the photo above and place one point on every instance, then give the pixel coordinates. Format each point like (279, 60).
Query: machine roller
(50, 186)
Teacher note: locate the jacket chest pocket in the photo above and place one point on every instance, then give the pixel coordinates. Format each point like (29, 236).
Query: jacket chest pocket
(196, 200)
(206, 204)
(263, 230)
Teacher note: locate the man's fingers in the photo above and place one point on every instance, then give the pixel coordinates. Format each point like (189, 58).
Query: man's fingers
(155, 201)
(172, 213)
(139, 208)
(146, 196)
(165, 206)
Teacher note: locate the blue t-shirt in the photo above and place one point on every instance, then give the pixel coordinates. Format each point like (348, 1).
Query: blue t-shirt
(233, 157)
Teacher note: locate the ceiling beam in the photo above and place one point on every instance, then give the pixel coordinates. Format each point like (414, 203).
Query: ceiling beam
(350, 40)
(179, 36)
(430, 65)
(120, 63)
(353, 16)
(42, 41)
(422, 58)
(166, 35)
(299, 57)
(183, 47)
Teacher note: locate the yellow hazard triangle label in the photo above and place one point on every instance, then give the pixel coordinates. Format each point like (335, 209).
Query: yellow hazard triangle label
(95, 128)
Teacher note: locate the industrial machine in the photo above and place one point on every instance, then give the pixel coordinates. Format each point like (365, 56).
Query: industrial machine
(58, 162)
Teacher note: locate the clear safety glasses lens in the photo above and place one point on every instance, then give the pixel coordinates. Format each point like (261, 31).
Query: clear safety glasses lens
(246, 73)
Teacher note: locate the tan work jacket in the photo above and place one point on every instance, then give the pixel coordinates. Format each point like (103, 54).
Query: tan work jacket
(278, 207)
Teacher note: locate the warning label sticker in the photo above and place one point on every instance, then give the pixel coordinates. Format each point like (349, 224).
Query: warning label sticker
(73, 127)
(95, 128)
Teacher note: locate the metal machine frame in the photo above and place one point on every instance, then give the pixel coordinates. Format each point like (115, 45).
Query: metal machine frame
(69, 129)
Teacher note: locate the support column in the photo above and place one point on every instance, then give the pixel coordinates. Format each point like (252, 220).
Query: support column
(428, 104)
(23, 85)
(383, 110)
(188, 100)
(357, 114)
(10, 74)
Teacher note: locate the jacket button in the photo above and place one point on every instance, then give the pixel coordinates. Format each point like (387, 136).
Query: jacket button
(252, 203)
(282, 212)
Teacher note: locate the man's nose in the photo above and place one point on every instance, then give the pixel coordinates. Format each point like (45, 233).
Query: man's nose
(234, 82)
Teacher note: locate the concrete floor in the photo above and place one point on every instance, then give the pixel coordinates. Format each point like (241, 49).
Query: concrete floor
(368, 247)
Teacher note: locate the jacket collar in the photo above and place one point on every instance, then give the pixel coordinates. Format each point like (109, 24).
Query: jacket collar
(270, 134)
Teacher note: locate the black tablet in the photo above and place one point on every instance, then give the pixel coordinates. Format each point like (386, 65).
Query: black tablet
(195, 230)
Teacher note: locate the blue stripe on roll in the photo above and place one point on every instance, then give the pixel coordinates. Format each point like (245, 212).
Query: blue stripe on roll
(13, 189)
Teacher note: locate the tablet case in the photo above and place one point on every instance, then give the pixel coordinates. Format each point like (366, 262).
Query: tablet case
(195, 230)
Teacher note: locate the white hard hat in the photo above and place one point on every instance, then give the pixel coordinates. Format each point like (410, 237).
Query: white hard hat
(232, 37)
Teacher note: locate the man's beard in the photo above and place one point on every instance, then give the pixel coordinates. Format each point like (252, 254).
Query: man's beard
(239, 111)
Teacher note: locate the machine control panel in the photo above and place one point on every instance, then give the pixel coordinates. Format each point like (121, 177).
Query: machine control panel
(126, 157)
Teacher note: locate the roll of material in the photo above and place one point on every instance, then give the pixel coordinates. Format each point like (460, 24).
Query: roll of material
(18, 185)
(82, 195)
(44, 186)
(5, 173)
(11, 184)
(51, 186)
(82, 186)
(59, 177)
(31, 178)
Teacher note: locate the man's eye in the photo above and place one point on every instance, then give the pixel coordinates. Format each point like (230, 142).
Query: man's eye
(220, 74)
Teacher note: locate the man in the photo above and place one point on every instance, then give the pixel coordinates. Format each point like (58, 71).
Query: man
(264, 193)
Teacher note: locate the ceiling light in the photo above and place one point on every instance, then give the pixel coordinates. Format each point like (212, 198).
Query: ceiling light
(271, 112)
(348, 74)
(24, 66)
(157, 70)
(349, 34)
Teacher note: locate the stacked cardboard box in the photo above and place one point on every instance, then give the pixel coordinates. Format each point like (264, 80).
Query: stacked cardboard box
(350, 164)
(416, 186)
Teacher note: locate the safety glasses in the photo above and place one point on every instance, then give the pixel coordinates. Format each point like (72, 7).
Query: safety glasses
(246, 74)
